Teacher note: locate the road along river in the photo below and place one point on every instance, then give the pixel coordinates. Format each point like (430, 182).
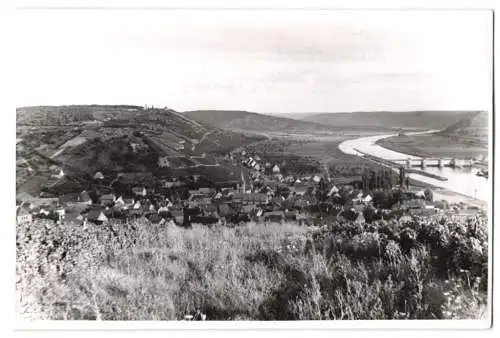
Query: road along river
(461, 181)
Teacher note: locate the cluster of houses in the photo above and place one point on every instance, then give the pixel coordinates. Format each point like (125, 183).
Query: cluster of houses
(202, 205)
(267, 196)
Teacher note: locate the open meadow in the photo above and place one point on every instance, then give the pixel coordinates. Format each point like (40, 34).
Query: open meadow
(434, 146)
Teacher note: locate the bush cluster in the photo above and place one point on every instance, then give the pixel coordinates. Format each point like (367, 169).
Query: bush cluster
(424, 268)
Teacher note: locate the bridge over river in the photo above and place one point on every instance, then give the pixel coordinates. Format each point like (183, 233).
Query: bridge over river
(455, 175)
(434, 162)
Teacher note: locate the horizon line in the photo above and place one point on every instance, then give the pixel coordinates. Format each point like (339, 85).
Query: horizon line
(262, 113)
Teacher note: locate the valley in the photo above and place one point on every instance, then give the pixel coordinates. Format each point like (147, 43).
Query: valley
(244, 207)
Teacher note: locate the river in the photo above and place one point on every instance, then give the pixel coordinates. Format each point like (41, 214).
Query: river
(463, 181)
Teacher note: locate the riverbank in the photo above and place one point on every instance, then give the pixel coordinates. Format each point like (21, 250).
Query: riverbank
(433, 145)
(462, 185)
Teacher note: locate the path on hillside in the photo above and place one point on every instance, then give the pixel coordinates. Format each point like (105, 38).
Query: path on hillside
(57, 153)
(202, 139)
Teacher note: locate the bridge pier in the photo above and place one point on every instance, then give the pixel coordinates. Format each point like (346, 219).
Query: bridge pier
(424, 163)
(408, 163)
(440, 163)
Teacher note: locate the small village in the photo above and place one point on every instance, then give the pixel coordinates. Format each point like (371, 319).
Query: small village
(307, 168)
(265, 196)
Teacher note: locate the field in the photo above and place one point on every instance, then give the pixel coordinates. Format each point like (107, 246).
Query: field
(312, 154)
(434, 146)
(468, 137)
(428, 268)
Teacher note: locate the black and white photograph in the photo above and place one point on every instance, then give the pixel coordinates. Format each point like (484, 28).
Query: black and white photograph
(264, 165)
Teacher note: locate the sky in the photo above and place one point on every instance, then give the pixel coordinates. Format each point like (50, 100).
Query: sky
(261, 61)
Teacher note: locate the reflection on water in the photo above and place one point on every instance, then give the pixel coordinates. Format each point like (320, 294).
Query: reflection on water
(460, 180)
(464, 181)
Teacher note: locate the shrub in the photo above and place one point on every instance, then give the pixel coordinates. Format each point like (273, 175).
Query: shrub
(428, 268)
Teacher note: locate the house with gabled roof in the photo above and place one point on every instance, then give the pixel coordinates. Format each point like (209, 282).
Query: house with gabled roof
(96, 216)
(155, 218)
(107, 199)
(299, 189)
(334, 190)
(75, 199)
(274, 216)
(251, 198)
(74, 217)
(125, 202)
(248, 209)
(201, 191)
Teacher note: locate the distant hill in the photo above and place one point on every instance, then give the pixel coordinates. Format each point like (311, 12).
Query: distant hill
(171, 126)
(243, 120)
(85, 139)
(418, 120)
(473, 130)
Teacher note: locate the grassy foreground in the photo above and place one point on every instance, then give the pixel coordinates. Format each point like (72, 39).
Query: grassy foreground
(426, 268)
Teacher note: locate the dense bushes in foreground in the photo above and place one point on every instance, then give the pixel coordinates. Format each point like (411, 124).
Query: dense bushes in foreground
(428, 268)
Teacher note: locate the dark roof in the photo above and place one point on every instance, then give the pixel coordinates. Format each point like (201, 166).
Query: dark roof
(200, 191)
(154, 218)
(94, 214)
(195, 197)
(84, 196)
(68, 198)
(253, 197)
(248, 208)
(72, 216)
(299, 187)
(278, 200)
(193, 211)
(210, 207)
(204, 219)
(346, 180)
(274, 213)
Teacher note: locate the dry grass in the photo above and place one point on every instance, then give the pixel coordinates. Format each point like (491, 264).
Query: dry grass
(256, 271)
